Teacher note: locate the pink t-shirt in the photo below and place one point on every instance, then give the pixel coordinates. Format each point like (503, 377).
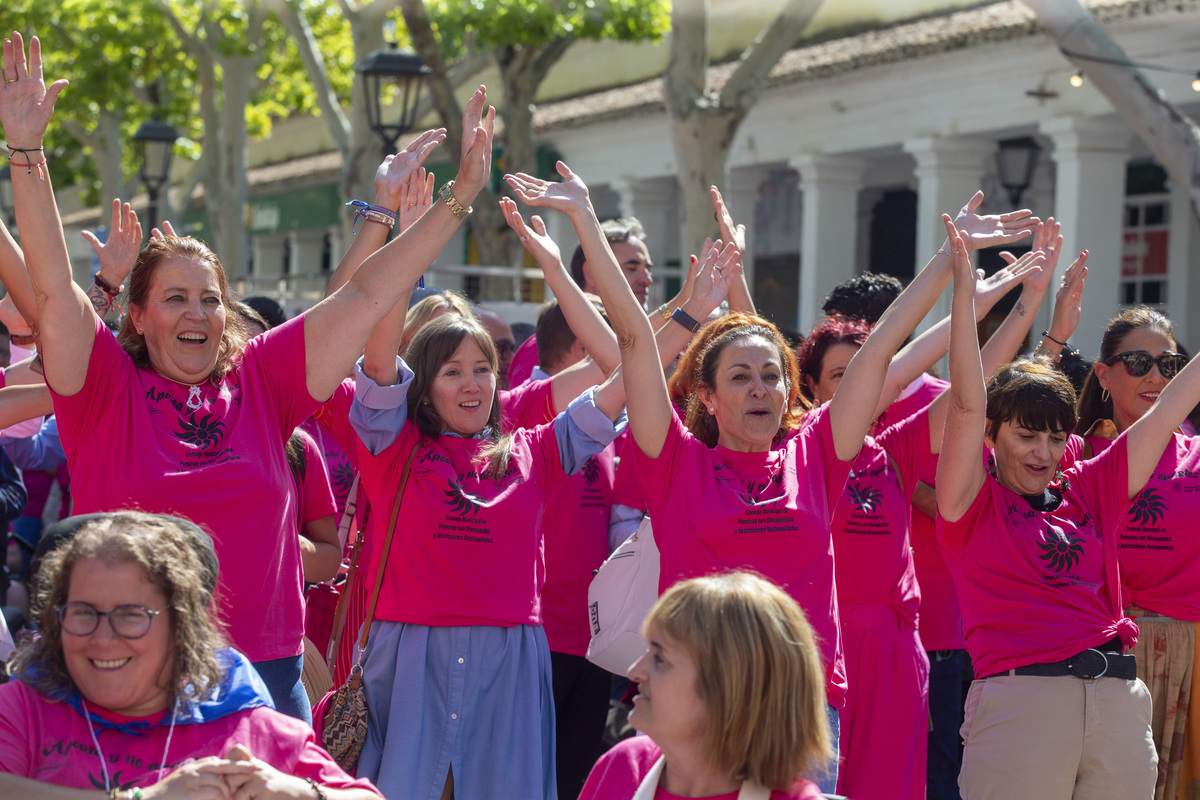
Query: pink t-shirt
(1155, 546)
(715, 509)
(870, 530)
(337, 463)
(1040, 586)
(468, 547)
(313, 489)
(523, 362)
(50, 742)
(527, 406)
(619, 772)
(940, 621)
(575, 524)
(214, 456)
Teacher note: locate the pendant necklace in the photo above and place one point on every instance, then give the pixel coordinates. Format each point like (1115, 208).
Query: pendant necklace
(162, 764)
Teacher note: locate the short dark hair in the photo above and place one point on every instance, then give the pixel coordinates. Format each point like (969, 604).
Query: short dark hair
(271, 312)
(554, 334)
(1033, 394)
(863, 297)
(615, 230)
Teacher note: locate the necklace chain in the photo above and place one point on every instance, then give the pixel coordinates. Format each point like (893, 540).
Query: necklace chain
(162, 764)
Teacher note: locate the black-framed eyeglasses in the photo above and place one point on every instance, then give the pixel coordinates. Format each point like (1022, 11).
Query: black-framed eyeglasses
(1138, 362)
(128, 621)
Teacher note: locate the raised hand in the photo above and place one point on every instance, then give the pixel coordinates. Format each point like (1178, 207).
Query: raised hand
(1047, 240)
(536, 241)
(391, 177)
(1068, 301)
(715, 275)
(991, 230)
(416, 196)
(960, 262)
(119, 251)
(735, 234)
(26, 105)
(568, 195)
(475, 163)
(989, 290)
(167, 230)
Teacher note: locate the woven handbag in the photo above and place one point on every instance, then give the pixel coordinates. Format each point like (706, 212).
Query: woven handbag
(344, 730)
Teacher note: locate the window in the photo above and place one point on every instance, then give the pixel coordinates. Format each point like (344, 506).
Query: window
(1145, 252)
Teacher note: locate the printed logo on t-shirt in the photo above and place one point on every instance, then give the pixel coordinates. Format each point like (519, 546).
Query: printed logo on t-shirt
(341, 474)
(461, 501)
(865, 499)
(206, 432)
(590, 472)
(1062, 551)
(1147, 508)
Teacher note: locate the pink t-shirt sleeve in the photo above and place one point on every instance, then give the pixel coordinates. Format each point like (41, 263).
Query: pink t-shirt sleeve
(334, 416)
(16, 746)
(527, 406)
(907, 443)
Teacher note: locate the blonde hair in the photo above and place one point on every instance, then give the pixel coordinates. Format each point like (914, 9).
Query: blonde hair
(760, 675)
(428, 309)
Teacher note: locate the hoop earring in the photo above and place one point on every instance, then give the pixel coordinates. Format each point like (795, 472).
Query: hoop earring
(1104, 395)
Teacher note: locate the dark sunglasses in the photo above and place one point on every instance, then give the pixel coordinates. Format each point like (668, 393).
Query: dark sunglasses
(1138, 362)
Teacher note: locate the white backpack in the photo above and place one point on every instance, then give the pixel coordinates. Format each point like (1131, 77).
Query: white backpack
(619, 598)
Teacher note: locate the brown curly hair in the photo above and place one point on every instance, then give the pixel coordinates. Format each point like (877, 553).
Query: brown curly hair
(698, 367)
(165, 548)
(235, 335)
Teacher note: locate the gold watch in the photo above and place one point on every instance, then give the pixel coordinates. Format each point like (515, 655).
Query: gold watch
(456, 208)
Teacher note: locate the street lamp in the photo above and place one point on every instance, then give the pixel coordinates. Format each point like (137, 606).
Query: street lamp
(157, 140)
(8, 205)
(405, 71)
(1015, 161)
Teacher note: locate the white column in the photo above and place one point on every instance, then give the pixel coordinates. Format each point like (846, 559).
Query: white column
(1183, 291)
(268, 255)
(654, 203)
(1089, 197)
(948, 173)
(829, 228)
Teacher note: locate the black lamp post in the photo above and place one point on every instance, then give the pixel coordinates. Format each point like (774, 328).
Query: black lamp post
(1015, 161)
(157, 140)
(8, 205)
(405, 71)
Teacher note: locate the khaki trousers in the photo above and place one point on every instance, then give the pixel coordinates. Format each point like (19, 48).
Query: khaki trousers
(1058, 738)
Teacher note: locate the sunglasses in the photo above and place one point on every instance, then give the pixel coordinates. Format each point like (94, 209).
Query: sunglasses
(1138, 363)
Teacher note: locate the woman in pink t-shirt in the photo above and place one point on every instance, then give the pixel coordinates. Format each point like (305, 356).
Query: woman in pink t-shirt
(190, 416)
(1156, 545)
(1056, 709)
(743, 484)
(730, 699)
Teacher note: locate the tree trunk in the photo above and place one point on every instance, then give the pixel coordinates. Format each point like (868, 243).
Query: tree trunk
(1172, 137)
(705, 121)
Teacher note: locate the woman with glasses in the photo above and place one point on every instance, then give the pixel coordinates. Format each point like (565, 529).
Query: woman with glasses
(130, 690)
(1156, 545)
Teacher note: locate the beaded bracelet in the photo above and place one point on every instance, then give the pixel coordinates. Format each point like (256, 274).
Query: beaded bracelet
(383, 216)
(110, 291)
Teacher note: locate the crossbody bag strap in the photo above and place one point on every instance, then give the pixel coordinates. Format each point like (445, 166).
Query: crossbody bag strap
(383, 556)
(343, 603)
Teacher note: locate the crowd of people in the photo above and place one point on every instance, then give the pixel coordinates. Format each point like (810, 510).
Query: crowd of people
(841, 533)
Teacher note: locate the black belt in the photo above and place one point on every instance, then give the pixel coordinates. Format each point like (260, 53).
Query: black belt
(1087, 665)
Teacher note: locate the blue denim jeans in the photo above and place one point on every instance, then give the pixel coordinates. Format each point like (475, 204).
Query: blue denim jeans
(282, 677)
(826, 779)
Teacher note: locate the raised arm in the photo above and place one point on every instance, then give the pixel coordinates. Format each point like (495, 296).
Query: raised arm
(739, 293)
(26, 106)
(116, 255)
(15, 276)
(585, 321)
(415, 198)
(960, 471)
(852, 412)
(337, 328)
(1147, 438)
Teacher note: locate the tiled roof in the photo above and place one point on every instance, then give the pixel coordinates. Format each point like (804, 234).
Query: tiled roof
(993, 22)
